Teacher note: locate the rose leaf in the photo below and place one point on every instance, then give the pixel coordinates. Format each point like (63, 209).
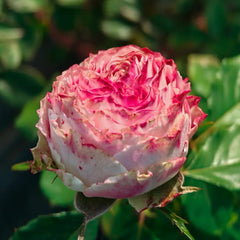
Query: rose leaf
(215, 153)
(50, 227)
(178, 221)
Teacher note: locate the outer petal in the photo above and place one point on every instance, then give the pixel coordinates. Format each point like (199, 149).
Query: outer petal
(121, 186)
(197, 115)
(85, 162)
(153, 150)
(70, 180)
(43, 124)
(134, 183)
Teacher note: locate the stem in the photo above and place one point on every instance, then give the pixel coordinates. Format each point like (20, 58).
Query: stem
(140, 224)
(82, 229)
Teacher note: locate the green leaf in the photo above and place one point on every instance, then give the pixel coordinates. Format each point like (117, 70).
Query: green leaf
(10, 54)
(111, 7)
(233, 226)
(226, 175)
(28, 118)
(33, 35)
(59, 226)
(92, 230)
(128, 9)
(67, 3)
(218, 83)
(131, 10)
(53, 188)
(210, 210)
(202, 70)
(178, 221)
(26, 6)
(10, 33)
(215, 157)
(19, 86)
(90, 233)
(122, 222)
(226, 87)
(117, 29)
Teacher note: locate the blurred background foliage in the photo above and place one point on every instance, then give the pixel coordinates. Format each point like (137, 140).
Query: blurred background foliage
(41, 38)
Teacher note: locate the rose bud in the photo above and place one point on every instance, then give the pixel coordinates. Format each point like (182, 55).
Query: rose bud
(118, 125)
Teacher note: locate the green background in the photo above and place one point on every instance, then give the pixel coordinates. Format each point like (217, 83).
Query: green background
(41, 38)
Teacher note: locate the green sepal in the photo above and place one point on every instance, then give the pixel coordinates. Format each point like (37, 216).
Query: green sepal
(23, 166)
(161, 196)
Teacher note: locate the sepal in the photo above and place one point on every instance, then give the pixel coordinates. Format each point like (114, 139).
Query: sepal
(91, 208)
(162, 195)
(42, 158)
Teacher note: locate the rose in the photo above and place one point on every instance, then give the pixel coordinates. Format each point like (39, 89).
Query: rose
(117, 125)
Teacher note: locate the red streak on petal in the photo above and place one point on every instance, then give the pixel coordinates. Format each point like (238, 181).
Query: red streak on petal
(89, 145)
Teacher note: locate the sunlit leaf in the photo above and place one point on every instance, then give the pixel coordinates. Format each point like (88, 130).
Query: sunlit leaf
(216, 154)
(225, 91)
(9, 33)
(117, 29)
(26, 6)
(226, 175)
(70, 2)
(218, 82)
(10, 54)
(128, 9)
(202, 70)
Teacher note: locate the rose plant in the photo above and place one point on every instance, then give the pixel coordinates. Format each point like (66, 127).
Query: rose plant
(118, 125)
(93, 109)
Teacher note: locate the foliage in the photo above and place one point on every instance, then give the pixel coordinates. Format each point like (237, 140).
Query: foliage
(40, 38)
(55, 227)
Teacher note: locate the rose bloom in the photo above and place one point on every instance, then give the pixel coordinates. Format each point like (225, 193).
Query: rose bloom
(117, 125)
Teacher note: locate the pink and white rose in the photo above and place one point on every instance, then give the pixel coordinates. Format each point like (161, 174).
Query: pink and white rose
(117, 125)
